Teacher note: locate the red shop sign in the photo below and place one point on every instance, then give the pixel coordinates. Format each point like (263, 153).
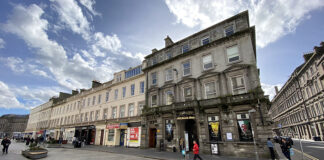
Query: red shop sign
(112, 126)
(133, 133)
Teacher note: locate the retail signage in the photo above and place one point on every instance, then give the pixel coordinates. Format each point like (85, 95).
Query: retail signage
(229, 136)
(133, 134)
(214, 148)
(112, 126)
(189, 117)
(123, 126)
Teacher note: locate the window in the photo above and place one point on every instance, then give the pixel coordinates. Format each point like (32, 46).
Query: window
(86, 117)
(140, 108)
(187, 92)
(131, 110)
(118, 77)
(317, 86)
(229, 30)
(238, 85)
(116, 94)
(168, 74)
(124, 92)
(207, 62)
(214, 128)
(142, 87)
(111, 134)
(132, 89)
(81, 117)
(245, 130)
(168, 55)
(97, 114)
(107, 96)
(168, 97)
(91, 116)
(133, 72)
(114, 112)
(154, 60)
(186, 68)
(232, 54)
(204, 40)
(89, 101)
(169, 130)
(154, 101)
(99, 98)
(122, 111)
(154, 78)
(105, 113)
(185, 48)
(93, 100)
(210, 90)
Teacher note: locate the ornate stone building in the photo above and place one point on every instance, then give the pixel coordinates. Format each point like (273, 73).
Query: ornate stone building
(12, 125)
(298, 108)
(206, 88)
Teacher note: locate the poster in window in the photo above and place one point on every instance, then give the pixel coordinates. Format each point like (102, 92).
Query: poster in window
(133, 135)
(168, 132)
(214, 131)
(245, 130)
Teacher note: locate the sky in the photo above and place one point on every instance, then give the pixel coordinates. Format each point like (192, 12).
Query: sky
(52, 46)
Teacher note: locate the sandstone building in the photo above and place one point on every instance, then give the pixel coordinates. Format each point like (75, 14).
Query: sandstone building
(297, 110)
(13, 126)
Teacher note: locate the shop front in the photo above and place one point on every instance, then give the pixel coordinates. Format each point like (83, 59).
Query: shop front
(133, 135)
(123, 134)
(86, 134)
(68, 135)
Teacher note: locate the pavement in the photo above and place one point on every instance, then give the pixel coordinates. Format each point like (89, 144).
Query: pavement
(298, 155)
(312, 148)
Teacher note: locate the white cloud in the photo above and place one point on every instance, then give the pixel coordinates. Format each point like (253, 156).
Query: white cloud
(15, 64)
(269, 89)
(89, 5)
(272, 18)
(2, 43)
(8, 98)
(103, 44)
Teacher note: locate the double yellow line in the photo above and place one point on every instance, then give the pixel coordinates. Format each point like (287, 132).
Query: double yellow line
(305, 154)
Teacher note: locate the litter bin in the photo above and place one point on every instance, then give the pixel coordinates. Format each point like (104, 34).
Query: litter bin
(161, 145)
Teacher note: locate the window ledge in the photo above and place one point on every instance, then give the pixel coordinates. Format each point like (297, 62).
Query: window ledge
(235, 62)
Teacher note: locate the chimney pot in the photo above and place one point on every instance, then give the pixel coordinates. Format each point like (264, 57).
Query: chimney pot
(168, 41)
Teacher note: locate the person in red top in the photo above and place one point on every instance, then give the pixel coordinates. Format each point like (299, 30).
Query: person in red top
(196, 150)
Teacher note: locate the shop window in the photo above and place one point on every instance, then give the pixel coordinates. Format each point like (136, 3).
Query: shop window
(238, 85)
(111, 134)
(154, 101)
(210, 90)
(169, 130)
(131, 110)
(122, 111)
(187, 92)
(214, 128)
(232, 54)
(244, 127)
(168, 97)
(207, 62)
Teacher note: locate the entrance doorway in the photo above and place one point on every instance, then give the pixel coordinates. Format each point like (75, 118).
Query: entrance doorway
(122, 137)
(189, 126)
(152, 138)
(101, 137)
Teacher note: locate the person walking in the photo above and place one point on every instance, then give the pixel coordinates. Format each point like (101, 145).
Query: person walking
(285, 147)
(5, 142)
(196, 150)
(270, 146)
(27, 141)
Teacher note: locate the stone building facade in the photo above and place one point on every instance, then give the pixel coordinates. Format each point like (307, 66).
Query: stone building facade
(297, 110)
(12, 125)
(106, 114)
(206, 88)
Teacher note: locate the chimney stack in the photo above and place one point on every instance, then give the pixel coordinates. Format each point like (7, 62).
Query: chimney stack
(75, 92)
(154, 50)
(95, 83)
(276, 89)
(168, 41)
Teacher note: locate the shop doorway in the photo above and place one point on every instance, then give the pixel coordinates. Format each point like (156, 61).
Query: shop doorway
(122, 137)
(152, 137)
(188, 126)
(101, 137)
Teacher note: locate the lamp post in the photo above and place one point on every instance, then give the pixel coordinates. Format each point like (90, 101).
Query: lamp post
(254, 143)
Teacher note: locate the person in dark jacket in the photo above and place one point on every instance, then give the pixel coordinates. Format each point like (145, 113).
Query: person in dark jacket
(285, 147)
(196, 150)
(27, 141)
(5, 142)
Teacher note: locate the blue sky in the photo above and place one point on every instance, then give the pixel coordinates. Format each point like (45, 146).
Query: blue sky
(59, 45)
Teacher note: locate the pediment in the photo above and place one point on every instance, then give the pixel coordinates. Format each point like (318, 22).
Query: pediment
(235, 67)
(208, 74)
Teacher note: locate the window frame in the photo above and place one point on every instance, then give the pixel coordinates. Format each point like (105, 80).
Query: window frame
(154, 74)
(206, 95)
(244, 83)
(211, 61)
(167, 74)
(183, 46)
(155, 105)
(204, 38)
(132, 89)
(167, 93)
(183, 68)
(238, 53)
(228, 26)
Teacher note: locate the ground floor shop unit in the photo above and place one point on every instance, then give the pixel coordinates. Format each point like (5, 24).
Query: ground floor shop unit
(218, 128)
(86, 134)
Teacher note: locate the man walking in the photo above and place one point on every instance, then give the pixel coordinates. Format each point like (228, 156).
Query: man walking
(196, 150)
(285, 147)
(270, 146)
(5, 142)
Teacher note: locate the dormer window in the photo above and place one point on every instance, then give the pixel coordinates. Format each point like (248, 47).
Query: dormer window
(185, 48)
(154, 60)
(204, 40)
(168, 55)
(229, 30)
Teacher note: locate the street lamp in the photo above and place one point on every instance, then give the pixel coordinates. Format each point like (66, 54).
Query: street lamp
(255, 147)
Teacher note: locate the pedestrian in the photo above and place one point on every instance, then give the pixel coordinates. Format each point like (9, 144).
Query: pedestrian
(285, 147)
(196, 150)
(27, 141)
(32, 140)
(270, 146)
(182, 147)
(5, 142)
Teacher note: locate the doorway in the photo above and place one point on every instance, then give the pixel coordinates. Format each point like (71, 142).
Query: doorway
(122, 137)
(189, 126)
(152, 138)
(101, 137)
